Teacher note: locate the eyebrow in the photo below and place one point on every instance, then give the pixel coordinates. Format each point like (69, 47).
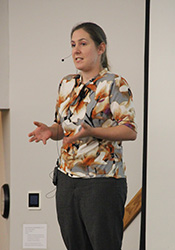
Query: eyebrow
(79, 40)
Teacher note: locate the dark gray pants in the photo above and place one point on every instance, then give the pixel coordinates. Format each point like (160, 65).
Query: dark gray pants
(90, 212)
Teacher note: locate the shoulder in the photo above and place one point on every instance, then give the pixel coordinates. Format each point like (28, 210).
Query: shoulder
(69, 77)
(117, 79)
(69, 80)
(67, 84)
(110, 76)
(119, 84)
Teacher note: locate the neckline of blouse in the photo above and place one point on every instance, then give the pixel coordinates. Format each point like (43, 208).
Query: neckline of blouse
(93, 79)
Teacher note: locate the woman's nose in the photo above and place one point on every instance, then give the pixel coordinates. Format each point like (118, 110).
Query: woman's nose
(76, 49)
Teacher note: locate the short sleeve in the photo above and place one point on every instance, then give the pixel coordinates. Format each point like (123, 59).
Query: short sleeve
(121, 103)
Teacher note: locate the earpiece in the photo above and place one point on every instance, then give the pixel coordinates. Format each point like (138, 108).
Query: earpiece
(63, 59)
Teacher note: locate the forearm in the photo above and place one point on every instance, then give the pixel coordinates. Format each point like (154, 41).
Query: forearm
(118, 133)
(57, 132)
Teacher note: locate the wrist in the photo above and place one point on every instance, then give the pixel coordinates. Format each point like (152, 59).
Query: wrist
(56, 132)
(52, 132)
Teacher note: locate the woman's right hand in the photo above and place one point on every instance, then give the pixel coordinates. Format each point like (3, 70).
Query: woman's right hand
(41, 133)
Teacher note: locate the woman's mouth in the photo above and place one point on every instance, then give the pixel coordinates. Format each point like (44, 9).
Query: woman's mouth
(78, 59)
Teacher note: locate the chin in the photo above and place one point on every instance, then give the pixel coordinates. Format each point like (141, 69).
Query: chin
(79, 68)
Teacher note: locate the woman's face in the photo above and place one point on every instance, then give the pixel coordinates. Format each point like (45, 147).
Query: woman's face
(85, 54)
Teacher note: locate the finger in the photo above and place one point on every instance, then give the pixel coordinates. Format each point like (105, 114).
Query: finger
(71, 139)
(44, 142)
(30, 134)
(66, 140)
(37, 140)
(38, 124)
(31, 139)
(84, 125)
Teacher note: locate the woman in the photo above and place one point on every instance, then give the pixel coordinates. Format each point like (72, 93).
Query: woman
(94, 114)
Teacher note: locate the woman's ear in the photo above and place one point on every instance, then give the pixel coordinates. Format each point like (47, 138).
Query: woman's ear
(101, 48)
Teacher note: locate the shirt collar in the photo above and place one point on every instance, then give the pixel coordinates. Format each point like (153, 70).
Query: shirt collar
(101, 73)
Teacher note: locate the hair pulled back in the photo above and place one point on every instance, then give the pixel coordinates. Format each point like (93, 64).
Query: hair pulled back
(97, 35)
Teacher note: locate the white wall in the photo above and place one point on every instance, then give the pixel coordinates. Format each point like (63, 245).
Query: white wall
(39, 38)
(4, 55)
(4, 105)
(161, 145)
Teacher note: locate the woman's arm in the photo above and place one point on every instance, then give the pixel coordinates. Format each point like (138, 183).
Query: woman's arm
(117, 133)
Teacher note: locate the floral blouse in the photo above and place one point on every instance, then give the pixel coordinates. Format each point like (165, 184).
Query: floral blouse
(104, 101)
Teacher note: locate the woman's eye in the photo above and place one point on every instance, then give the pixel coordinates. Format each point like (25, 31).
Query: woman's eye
(83, 43)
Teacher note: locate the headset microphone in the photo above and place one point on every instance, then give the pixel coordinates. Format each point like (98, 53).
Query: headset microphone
(63, 59)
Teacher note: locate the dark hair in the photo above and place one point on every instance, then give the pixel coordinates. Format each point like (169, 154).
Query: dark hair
(98, 36)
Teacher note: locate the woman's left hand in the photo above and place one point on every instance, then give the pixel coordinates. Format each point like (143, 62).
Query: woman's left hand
(85, 131)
